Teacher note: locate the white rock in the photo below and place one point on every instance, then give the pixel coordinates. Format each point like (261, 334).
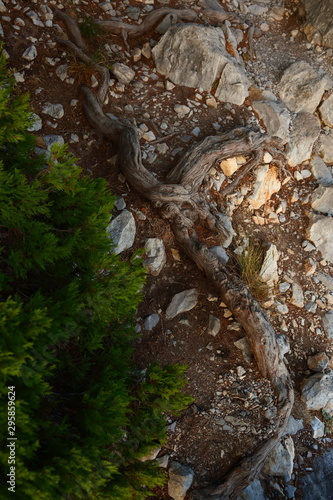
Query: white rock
(269, 268)
(37, 123)
(149, 136)
(156, 256)
(151, 321)
(328, 324)
(322, 200)
(267, 183)
(54, 110)
(180, 480)
(317, 392)
(280, 461)
(326, 111)
(320, 171)
(214, 325)
(318, 428)
(123, 73)
(61, 72)
(182, 302)
(181, 109)
(30, 53)
(122, 231)
(301, 88)
(320, 232)
(275, 117)
(305, 130)
(297, 298)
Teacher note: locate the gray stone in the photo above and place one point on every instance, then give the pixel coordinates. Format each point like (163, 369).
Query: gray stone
(53, 139)
(180, 480)
(326, 280)
(37, 123)
(297, 298)
(280, 461)
(325, 146)
(122, 231)
(219, 252)
(30, 53)
(275, 117)
(195, 56)
(290, 491)
(151, 321)
(320, 232)
(269, 268)
(326, 111)
(318, 428)
(182, 302)
(305, 130)
(244, 346)
(320, 171)
(163, 461)
(318, 484)
(318, 362)
(156, 256)
(228, 231)
(123, 73)
(61, 72)
(317, 392)
(253, 492)
(54, 110)
(214, 325)
(120, 203)
(293, 426)
(319, 14)
(328, 324)
(322, 200)
(301, 88)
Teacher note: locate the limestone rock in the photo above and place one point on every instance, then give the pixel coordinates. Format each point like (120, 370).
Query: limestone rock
(37, 123)
(195, 56)
(220, 253)
(328, 324)
(319, 14)
(318, 362)
(229, 166)
(54, 110)
(301, 88)
(280, 461)
(180, 480)
(305, 130)
(320, 232)
(322, 200)
(275, 117)
(326, 109)
(156, 256)
(30, 53)
(293, 426)
(123, 73)
(269, 268)
(317, 392)
(182, 302)
(325, 146)
(122, 231)
(320, 171)
(318, 484)
(214, 325)
(253, 491)
(267, 183)
(151, 321)
(318, 428)
(297, 298)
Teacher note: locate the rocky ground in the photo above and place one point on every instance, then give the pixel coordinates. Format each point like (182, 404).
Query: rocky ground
(279, 78)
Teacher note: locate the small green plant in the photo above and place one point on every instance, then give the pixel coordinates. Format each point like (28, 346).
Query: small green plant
(328, 421)
(248, 264)
(90, 29)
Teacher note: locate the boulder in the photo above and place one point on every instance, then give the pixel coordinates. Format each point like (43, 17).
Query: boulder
(319, 15)
(267, 183)
(320, 232)
(195, 56)
(275, 117)
(328, 324)
(322, 200)
(156, 256)
(305, 130)
(318, 484)
(320, 171)
(182, 302)
(280, 461)
(301, 88)
(326, 110)
(122, 231)
(317, 392)
(180, 480)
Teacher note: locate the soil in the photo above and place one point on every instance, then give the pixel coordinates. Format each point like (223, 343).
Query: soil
(196, 438)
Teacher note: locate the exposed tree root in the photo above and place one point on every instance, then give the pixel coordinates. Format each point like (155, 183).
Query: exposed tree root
(180, 202)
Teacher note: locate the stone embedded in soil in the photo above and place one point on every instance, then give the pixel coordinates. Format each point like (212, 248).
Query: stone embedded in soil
(267, 183)
(275, 117)
(322, 200)
(30, 53)
(320, 232)
(325, 146)
(305, 130)
(318, 428)
(320, 170)
(317, 392)
(182, 302)
(214, 325)
(219, 252)
(61, 71)
(319, 15)
(229, 166)
(122, 231)
(297, 298)
(328, 324)
(54, 110)
(269, 268)
(123, 73)
(37, 123)
(319, 362)
(326, 280)
(150, 456)
(151, 321)
(280, 461)
(301, 88)
(293, 426)
(156, 256)
(326, 111)
(180, 480)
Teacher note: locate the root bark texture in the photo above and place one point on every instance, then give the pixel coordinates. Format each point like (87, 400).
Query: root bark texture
(180, 201)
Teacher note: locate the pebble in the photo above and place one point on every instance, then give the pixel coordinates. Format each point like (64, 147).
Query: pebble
(30, 53)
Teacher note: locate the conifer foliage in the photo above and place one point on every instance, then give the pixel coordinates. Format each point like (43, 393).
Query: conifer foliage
(84, 415)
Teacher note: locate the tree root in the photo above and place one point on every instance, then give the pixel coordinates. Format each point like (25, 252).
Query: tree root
(177, 198)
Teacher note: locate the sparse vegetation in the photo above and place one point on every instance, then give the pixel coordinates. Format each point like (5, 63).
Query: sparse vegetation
(328, 421)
